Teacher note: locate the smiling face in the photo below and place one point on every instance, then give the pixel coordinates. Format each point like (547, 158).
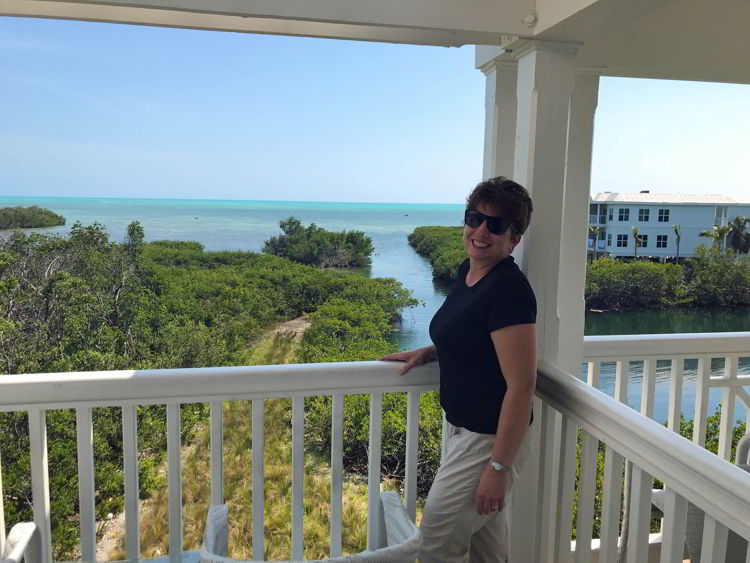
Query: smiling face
(484, 247)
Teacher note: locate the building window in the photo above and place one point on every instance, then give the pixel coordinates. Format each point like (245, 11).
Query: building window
(609, 239)
(644, 240)
(624, 214)
(643, 215)
(622, 241)
(661, 241)
(611, 213)
(663, 215)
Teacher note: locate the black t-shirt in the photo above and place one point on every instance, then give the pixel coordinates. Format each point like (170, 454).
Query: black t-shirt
(472, 386)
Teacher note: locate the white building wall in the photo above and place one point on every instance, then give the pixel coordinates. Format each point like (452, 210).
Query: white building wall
(692, 219)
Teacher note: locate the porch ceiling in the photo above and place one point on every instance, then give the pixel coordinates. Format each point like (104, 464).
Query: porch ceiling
(680, 39)
(672, 39)
(430, 22)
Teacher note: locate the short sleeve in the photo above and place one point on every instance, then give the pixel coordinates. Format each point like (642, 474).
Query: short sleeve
(512, 302)
(461, 275)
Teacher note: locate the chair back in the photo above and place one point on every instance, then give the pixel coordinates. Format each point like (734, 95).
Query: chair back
(402, 538)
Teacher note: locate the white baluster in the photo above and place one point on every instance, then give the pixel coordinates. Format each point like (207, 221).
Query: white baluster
(586, 495)
(546, 500)
(673, 534)
(714, 546)
(565, 487)
(612, 490)
(640, 515)
(174, 478)
(728, 396)
(593, 375)
(257, 495)
(621, 381)
(298, 476)
(217, 452)
(87, 517)
(40, 480)
(412, 452)
(130, 462)
(648, 386)
(373, 472)
(587, 480)
(675, 394)
(702, 385)
(337, 465)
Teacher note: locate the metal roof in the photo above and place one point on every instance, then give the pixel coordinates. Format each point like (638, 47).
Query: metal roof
(695, 199)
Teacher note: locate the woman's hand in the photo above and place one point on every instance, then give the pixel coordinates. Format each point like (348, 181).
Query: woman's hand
(412, 358)
(491, 491)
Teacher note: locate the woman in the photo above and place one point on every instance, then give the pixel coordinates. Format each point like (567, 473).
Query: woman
(485, 343)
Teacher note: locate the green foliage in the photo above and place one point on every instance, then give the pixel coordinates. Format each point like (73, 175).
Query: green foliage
(347, 330)
(712, 278)
(85, 303)
(613, 284)
(28, 217)
(315, 246)
(739, 238)
(443, 247)
(718, 233)
(712, 432)
(716, 279)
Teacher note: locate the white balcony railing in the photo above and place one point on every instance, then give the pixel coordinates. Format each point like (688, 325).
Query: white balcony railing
(724, 350)
(688, 471)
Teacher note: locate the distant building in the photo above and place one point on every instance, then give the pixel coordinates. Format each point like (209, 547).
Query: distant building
(615, 214)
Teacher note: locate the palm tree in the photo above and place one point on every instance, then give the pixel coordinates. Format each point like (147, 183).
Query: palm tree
(596, 232)
(636, 240)
(718, 233)
(739, 240)
(678, 235)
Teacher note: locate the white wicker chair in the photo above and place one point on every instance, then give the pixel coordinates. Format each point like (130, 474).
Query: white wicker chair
(22, 543)
(399, 544)
(736, 545)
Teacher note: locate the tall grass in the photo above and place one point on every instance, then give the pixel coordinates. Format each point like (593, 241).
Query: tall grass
(277, 347)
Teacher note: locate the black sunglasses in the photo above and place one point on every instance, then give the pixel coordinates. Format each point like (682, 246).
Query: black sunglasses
(495, 225)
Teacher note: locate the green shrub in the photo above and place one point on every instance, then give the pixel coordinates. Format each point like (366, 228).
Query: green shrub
(717, 279)
(442, 246)
(84, 303)
(28, 217)
(315, 246)
(613, 284)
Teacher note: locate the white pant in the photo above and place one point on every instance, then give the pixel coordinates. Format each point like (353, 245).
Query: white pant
(452, 529)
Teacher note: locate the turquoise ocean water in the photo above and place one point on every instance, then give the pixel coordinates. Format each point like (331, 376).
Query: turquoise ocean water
(245, 225)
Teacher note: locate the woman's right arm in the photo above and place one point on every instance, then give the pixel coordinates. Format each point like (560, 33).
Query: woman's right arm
(412, 358)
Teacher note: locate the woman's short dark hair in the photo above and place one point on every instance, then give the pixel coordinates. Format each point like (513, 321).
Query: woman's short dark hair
(506, 197)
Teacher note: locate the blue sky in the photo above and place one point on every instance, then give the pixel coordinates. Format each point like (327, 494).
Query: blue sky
(125, 111)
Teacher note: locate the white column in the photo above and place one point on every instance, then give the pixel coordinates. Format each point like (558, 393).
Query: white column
(572, 277)
(499, 118)
(546, 74)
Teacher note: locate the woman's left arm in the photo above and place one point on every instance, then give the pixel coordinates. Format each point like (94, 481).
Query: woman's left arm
(515, 346)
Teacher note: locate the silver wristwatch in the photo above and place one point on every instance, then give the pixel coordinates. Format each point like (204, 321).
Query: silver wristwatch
(497, 466)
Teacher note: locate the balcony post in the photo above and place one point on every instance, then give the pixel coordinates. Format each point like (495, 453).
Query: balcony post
(572, 274)
(545, 89)
(499, 118)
